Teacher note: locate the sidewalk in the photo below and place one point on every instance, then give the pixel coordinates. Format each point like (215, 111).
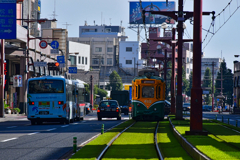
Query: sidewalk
(10, 117)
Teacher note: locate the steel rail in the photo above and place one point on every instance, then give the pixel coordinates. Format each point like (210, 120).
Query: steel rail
(110, 143)
(156, 143)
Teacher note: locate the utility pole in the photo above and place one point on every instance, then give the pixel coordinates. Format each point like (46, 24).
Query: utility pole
(173, 110)
(91, 90)
(196, 91)
(212, 86)
(67, 25)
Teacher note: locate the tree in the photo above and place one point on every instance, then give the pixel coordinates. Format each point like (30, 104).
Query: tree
(190, 85)
(227, 77)
(102, 93)
(115, 82)
(207, 83)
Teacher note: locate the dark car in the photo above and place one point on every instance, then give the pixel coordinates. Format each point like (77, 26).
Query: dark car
(109, 109)
(186, 106)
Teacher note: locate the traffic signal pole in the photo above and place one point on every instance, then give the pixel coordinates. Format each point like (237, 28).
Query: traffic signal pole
(2, 79)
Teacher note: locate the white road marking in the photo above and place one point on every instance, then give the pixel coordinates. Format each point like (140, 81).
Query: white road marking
(65, 126)
(52, 129)
(8, 139)
(12, 127)
(32, 133)
(21, 119)
(74, 123)
(92, 119)
(125, 118)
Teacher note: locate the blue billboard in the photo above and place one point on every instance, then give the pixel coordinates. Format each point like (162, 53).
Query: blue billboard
(135, 12)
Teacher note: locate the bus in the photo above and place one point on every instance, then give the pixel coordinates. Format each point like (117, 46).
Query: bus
(55, 99)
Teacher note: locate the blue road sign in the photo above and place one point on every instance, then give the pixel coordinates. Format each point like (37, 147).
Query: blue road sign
(60, 59)
(217, 99)
(72, 70)
(8, 26)
(54, 44)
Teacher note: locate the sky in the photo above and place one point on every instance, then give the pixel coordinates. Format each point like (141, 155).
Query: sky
(224, 43)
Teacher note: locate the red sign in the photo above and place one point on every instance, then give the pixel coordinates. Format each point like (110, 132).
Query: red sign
(5, 73)
(43, 44)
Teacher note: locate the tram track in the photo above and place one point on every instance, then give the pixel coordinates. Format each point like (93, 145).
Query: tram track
(104, 151)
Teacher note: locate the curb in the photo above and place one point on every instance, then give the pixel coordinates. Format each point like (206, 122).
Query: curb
(191, 150)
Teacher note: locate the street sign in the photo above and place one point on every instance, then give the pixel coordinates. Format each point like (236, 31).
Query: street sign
(61, 65)
(72, 70)
(60, 59)
(54, 44)
(205, 92)
(40, 64)
(43, 44)
(17, 81)
(54, 51)
(8, 26)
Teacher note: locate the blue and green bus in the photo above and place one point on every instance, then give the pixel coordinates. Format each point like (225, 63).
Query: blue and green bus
(55, 99)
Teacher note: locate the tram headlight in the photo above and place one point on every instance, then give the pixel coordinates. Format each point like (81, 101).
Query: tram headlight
(155, 109)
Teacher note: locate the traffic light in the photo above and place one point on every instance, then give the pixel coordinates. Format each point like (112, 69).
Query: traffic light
(51, 66)
(56, 65)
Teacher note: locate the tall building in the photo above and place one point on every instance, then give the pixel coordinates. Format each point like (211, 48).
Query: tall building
(207, 63)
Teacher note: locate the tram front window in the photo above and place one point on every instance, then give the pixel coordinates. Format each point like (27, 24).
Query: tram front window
(148, 92)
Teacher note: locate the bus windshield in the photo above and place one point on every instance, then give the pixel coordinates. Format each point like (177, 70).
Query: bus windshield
(46, 86)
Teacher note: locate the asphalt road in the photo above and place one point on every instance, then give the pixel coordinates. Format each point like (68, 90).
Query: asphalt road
(19, 140)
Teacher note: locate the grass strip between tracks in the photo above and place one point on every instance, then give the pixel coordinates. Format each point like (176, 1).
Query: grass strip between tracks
(221, 143)
(135, 143)
(92, 150)
(168, 144)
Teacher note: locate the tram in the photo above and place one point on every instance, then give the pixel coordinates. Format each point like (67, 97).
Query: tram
(148, 96)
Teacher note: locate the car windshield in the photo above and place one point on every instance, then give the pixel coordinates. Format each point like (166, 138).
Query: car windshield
(46, 86)
(108, 104)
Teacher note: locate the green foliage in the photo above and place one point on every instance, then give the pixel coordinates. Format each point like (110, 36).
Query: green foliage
(185, 82)
(190, 85)
(227, 77)
(17, 110)
(207, 83)
(115, 82)
(102, 93)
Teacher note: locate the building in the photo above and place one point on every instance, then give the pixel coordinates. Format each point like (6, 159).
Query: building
(236, 87)
(208, 63)
(130, 57)
(187, 58)
(19, 54)
(79, 55)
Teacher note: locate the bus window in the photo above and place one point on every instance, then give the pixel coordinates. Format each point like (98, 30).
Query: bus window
(46, 86)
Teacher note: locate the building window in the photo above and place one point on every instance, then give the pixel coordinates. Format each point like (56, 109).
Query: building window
(188, 70)
(108, 30)
(98, 49)
(128, 49)
(85, 30)
(102, 61)
(73, 60)
(82, 60)
(109, 61)
(85, 60)
(95, 61)
(187, 60)
(128, 61)
(79, 60)
(109, 49)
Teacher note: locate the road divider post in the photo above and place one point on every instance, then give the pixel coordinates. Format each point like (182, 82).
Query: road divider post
(102, 130)
(74, 144)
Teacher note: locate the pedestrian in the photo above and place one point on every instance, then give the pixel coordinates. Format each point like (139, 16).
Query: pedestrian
(90, 107)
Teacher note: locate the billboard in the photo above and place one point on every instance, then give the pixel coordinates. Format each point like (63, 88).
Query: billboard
(135, 12)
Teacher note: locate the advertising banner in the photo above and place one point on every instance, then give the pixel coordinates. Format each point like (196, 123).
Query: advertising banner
(135, 12)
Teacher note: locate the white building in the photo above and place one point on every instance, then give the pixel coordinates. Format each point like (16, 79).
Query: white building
(130, 56)
(79, 54)
(187, 58)
(207, 63)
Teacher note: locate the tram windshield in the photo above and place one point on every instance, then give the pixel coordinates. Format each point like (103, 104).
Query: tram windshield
(148, 92)
(46, 86)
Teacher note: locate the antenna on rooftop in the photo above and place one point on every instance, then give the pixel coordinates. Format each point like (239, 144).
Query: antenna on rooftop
(54, 11)
(110, 21)
(66, 25)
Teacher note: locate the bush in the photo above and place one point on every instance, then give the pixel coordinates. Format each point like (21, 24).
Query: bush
(17, 110)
